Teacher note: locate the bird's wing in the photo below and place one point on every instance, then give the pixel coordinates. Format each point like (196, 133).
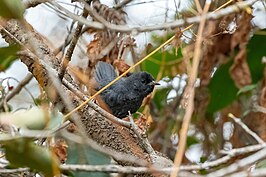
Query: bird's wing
(104, 73)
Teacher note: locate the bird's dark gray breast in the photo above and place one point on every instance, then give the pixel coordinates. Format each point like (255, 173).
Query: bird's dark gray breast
(121, 99)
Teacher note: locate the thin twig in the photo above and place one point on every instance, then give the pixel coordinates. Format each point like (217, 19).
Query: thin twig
(190, 93)
(244, 150)
(121, 169)
(222, 6)
(239, 164)
(18, 88)
(253, 173)
(198, 6)
(223, 160)
(71, 47)
(122, 4)
(144, 140)
(32, 3)
(17, 170)
(258, 108)
(95, 15)
(246, 129)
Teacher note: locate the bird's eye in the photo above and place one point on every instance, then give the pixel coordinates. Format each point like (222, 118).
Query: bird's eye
(143, 81)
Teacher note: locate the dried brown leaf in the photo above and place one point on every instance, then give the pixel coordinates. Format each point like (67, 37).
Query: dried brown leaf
(256, 122)
(72, 128)
(216, 47)
(239, 71)
(93, 50)
(80, 75)
(262, 98)
(60, 150)
(110, 14)
(121, 66)
(241, 35)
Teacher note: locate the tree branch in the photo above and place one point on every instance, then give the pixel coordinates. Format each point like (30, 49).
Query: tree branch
(246, 129)
(168, 25)
(32, 3)
(239, 164)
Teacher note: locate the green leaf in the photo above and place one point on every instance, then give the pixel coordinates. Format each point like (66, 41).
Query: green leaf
(22, 152)
(246, 89)
(8, 55)
(191, 140)
(222, 89)
(81, 154)
(158, 39)
(261, 164)
(255, 51)
(11, 9)
(165, 62)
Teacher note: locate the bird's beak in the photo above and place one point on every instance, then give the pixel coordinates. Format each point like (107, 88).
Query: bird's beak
(153, 83)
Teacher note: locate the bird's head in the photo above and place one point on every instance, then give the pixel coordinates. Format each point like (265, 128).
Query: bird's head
(143, 82)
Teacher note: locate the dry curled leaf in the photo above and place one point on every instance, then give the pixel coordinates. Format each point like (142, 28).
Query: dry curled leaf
(241, 35)
(121, 66)
(110, 14)
(72, 128)
(79, 74)
(216, 46)
(105, 44)
(209, 52)
(60, 150)
(239, 71)
(263, 97)
(177, 40)
(93, 49)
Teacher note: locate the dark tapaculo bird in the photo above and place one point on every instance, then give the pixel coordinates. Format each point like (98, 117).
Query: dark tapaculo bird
(124, 95)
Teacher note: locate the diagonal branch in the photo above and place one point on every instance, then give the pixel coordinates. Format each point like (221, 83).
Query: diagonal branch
(71, 47)
(190, 93)
(245, 127)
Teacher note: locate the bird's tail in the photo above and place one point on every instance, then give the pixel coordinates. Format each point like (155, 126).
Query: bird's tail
(104, 73)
